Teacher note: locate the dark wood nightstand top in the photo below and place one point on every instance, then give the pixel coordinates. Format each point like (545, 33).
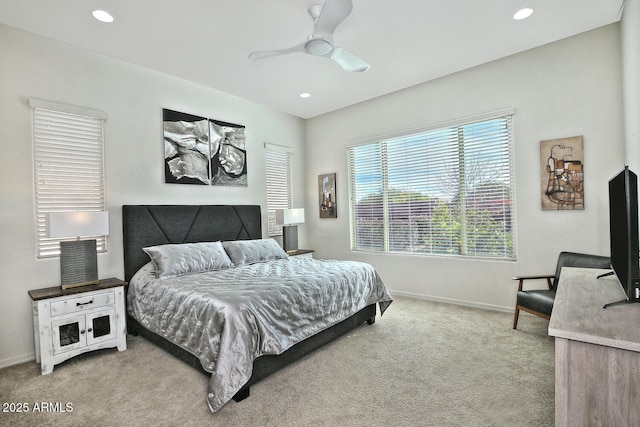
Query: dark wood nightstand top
(57, 291)
(300, 252)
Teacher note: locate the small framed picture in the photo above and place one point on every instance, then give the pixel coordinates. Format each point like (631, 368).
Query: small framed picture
(327, 191)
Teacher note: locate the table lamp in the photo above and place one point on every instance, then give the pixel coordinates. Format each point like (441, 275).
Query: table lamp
(289, 218)
(78, 258)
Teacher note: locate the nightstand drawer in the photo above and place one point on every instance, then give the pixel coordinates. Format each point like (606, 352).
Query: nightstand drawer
(82, 303)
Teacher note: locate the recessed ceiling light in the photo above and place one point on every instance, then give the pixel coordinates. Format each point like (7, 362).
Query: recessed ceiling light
(523, 13)
(102, 15)
(305, 95)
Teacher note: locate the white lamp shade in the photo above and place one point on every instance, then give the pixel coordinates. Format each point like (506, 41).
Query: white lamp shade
(77, 224)
(289, 216)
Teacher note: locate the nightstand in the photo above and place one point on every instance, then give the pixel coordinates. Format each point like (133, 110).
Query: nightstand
(68, 322)
(305, 253)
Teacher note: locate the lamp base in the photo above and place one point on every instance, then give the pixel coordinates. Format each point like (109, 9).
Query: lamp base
(78, 263)
(290, 238)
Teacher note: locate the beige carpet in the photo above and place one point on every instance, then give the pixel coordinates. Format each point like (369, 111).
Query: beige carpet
(421, 364)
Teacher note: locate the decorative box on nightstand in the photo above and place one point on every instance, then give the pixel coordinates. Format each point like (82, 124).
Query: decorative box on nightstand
(68, 322)
(305, 253)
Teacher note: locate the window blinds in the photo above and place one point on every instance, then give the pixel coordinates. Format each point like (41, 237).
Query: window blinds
(68, 167)
(278, 168)
(445, 191)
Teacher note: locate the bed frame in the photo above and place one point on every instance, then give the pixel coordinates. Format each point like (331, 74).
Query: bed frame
(148, 225)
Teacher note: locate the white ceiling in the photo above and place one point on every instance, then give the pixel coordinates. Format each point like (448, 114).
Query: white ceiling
(406, 41)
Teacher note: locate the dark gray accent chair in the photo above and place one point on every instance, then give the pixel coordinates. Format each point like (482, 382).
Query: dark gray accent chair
(540, 301)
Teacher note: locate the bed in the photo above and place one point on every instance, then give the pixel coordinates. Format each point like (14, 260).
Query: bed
(228, 319)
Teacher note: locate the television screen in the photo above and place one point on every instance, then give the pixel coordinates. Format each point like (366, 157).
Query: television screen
(623, 223)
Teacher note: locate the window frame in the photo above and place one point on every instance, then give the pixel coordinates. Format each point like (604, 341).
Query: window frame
(68, 142)
(279, 188)
(377, 235)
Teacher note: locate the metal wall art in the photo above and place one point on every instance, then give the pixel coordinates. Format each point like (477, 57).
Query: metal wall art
(327, 190)
(562, 174)
(203, 151)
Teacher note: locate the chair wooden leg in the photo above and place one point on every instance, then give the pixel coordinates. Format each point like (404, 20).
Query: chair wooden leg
(515, 317)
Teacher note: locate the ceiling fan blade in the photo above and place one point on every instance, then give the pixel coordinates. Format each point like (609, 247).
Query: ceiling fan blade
(261, 54)
(348, 61)
(333, 13)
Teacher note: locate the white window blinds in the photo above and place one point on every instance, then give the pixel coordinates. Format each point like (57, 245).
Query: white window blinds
(68, 166)
(278, 168)
(445, 191)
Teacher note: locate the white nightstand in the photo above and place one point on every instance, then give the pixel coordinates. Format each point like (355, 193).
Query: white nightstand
(305, 253)
(68, 322)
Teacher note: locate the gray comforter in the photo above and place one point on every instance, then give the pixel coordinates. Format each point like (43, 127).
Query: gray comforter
(228, 318)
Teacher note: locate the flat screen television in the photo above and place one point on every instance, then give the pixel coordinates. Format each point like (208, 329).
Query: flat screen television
(623, 226)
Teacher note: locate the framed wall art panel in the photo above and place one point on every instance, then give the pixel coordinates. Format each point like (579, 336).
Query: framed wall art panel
(562, 174)
(327, 192)
(198, 150)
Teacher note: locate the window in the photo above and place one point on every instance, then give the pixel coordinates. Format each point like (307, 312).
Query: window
(442, 191)
(278, 166)
(68, 166)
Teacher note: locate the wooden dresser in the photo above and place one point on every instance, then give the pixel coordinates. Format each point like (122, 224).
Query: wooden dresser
(597, 359)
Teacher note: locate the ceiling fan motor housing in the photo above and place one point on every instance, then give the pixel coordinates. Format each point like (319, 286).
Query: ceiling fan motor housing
(319, 47)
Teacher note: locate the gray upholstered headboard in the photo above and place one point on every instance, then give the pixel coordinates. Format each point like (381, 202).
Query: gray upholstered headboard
(148, 225)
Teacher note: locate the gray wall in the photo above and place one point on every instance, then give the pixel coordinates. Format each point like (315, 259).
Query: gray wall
(572, 87)
(630, 31)
(133, 98)
(568, 88)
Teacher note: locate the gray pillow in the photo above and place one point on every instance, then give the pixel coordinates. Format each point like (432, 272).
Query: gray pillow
(177, 259)
(243, 252)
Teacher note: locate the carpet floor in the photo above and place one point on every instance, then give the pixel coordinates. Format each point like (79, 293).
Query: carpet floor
(421, 364)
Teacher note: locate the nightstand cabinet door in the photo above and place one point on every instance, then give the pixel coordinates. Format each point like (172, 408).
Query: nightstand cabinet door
(101, 326)
(85, 330)
(68, 334)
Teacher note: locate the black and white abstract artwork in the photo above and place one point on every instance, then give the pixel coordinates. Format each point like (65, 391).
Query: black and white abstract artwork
(198, 150)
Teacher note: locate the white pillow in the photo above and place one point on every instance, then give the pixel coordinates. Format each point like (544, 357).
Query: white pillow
(177, 259)
(243, 252)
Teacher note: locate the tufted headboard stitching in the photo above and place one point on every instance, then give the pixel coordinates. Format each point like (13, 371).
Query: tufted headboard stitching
(148, 225)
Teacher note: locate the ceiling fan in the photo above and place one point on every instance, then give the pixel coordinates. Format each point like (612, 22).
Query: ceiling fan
(320, 43)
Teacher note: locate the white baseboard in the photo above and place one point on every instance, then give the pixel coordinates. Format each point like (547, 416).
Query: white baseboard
(29, 357)
(454, 301)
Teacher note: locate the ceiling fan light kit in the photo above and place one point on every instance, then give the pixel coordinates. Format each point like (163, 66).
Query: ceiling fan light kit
(320, 43)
